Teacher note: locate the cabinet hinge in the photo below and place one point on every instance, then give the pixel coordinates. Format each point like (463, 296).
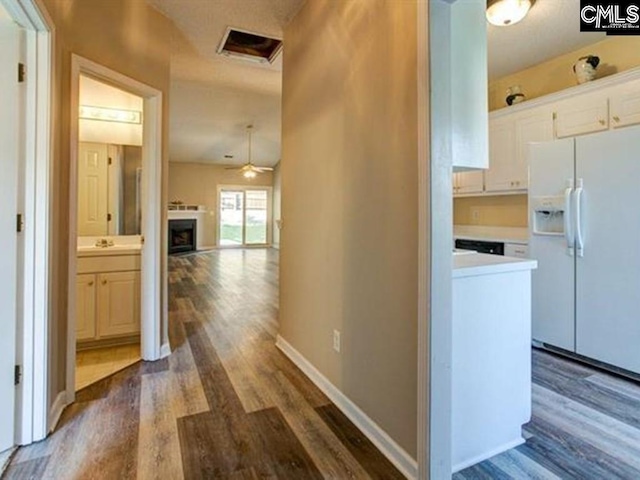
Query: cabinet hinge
(21, 73)
(108, 217)
(110, 160)
(17, 375)
(19, 223)
(555, 116)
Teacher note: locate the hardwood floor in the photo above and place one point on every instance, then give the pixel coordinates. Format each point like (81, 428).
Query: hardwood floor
(585, 425)
(226, 404)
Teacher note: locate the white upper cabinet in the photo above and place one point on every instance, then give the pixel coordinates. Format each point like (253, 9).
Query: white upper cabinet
(624, 105)
(583, 114)
(502, 155)
(459, 82)
(468, 182)
(532, 126)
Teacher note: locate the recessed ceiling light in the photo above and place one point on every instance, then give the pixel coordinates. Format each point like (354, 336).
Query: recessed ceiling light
(249, 46)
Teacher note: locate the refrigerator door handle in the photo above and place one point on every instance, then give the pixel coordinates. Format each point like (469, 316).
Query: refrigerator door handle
(578, 219)
(568, 223)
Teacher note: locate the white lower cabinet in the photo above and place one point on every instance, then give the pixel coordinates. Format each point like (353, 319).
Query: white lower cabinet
(107, 302)
(85, 307)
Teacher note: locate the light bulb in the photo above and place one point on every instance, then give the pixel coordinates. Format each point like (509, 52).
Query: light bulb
(507, 12)
(249, 174)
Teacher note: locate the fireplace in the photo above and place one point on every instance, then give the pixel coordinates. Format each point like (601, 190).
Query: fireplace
(182, 236)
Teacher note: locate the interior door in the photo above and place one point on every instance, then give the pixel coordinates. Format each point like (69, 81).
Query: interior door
(608, 275)
(9, 139)
(93, 186)
(553, 282)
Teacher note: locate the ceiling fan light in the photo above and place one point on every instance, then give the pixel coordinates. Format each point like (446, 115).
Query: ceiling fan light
(249, 174)
(503, 13)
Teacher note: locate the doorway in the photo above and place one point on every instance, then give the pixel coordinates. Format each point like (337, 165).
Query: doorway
(244, 216)
(109, 241)
(116, 214)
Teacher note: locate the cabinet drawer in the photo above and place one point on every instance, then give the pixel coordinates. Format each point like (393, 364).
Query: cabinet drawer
(516, 250)
(111, 263)
(582, 115)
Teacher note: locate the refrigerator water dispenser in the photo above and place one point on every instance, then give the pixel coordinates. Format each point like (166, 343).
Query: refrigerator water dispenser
(548, 215)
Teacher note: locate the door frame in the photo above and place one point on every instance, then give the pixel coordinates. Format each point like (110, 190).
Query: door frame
(32, 343)
(245, 188)
(152, 307)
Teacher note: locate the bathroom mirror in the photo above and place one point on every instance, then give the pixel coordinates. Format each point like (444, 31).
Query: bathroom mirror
(109, 189)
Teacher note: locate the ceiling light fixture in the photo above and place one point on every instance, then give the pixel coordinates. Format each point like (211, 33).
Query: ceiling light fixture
(249, 170)
(88, 112)
(503, 13)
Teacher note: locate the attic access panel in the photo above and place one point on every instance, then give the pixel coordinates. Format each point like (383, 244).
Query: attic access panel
(249, 46)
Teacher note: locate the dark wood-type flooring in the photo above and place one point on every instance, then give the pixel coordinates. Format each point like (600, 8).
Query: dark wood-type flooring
(228, 405)
(225, 405)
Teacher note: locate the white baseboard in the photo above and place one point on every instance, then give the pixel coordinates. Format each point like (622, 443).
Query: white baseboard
(165, 350)
(481, 458)
(56, 410)
(389, 448)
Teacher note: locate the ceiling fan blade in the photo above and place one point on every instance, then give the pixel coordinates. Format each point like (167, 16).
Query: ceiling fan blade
(233, 168)
(264, 169)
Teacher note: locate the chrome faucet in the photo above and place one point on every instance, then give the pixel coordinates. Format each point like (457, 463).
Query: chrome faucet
(104, 243)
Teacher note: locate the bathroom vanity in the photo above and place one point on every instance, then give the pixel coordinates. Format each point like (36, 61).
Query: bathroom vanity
(107, 295)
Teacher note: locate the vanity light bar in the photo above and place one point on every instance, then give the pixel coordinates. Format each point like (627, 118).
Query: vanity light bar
(104, 114)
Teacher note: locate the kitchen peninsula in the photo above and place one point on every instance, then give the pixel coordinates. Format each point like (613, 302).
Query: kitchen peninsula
(491, 361)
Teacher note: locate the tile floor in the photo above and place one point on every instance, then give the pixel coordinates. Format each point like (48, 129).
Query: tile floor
(98, 363)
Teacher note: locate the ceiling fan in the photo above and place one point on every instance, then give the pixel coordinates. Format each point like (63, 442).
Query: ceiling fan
(249, 170)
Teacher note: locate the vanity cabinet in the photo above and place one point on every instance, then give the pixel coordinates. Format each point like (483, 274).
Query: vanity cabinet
(107, 299)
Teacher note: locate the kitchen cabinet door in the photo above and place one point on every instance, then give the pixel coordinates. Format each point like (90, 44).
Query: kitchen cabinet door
(624, 105)
(502, 155)
(468, 182)
(85, 307)
(584, 114)
(118, 303)
(532, 126)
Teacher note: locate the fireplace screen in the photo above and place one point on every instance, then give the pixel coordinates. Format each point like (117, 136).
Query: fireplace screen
(182, 236)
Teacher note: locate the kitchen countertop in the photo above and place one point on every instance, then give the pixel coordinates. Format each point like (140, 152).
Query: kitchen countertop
(93, 251)
(519, 235)
(474, 264)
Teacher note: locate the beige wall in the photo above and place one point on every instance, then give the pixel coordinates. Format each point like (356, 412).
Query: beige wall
(499, 211)
(197, 184)
(129, 37)
(349, 258)
(617, 54)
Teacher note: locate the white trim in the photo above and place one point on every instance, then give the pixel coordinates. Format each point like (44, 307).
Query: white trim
(153, 284)
(33, 340)
(487, 455)
(165, 350)
(387, 446)
(56, 410)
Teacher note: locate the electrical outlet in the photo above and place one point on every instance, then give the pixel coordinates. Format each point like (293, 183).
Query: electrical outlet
(336, 340)
(475, 214)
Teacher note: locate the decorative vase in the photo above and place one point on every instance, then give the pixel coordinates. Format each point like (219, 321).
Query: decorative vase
(514, 95)
(585, 68)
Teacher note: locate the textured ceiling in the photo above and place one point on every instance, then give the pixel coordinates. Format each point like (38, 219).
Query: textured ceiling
(213, 97)
(551, 28)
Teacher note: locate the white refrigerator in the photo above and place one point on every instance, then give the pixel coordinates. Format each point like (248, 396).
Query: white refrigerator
(584, 231)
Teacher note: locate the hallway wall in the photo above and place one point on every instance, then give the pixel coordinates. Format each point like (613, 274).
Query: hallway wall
(131, 38)
(349, 260)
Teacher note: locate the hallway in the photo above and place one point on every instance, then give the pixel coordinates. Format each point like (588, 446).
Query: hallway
(226, 404)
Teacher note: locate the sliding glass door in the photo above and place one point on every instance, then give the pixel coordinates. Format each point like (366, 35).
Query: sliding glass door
(243, 218)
